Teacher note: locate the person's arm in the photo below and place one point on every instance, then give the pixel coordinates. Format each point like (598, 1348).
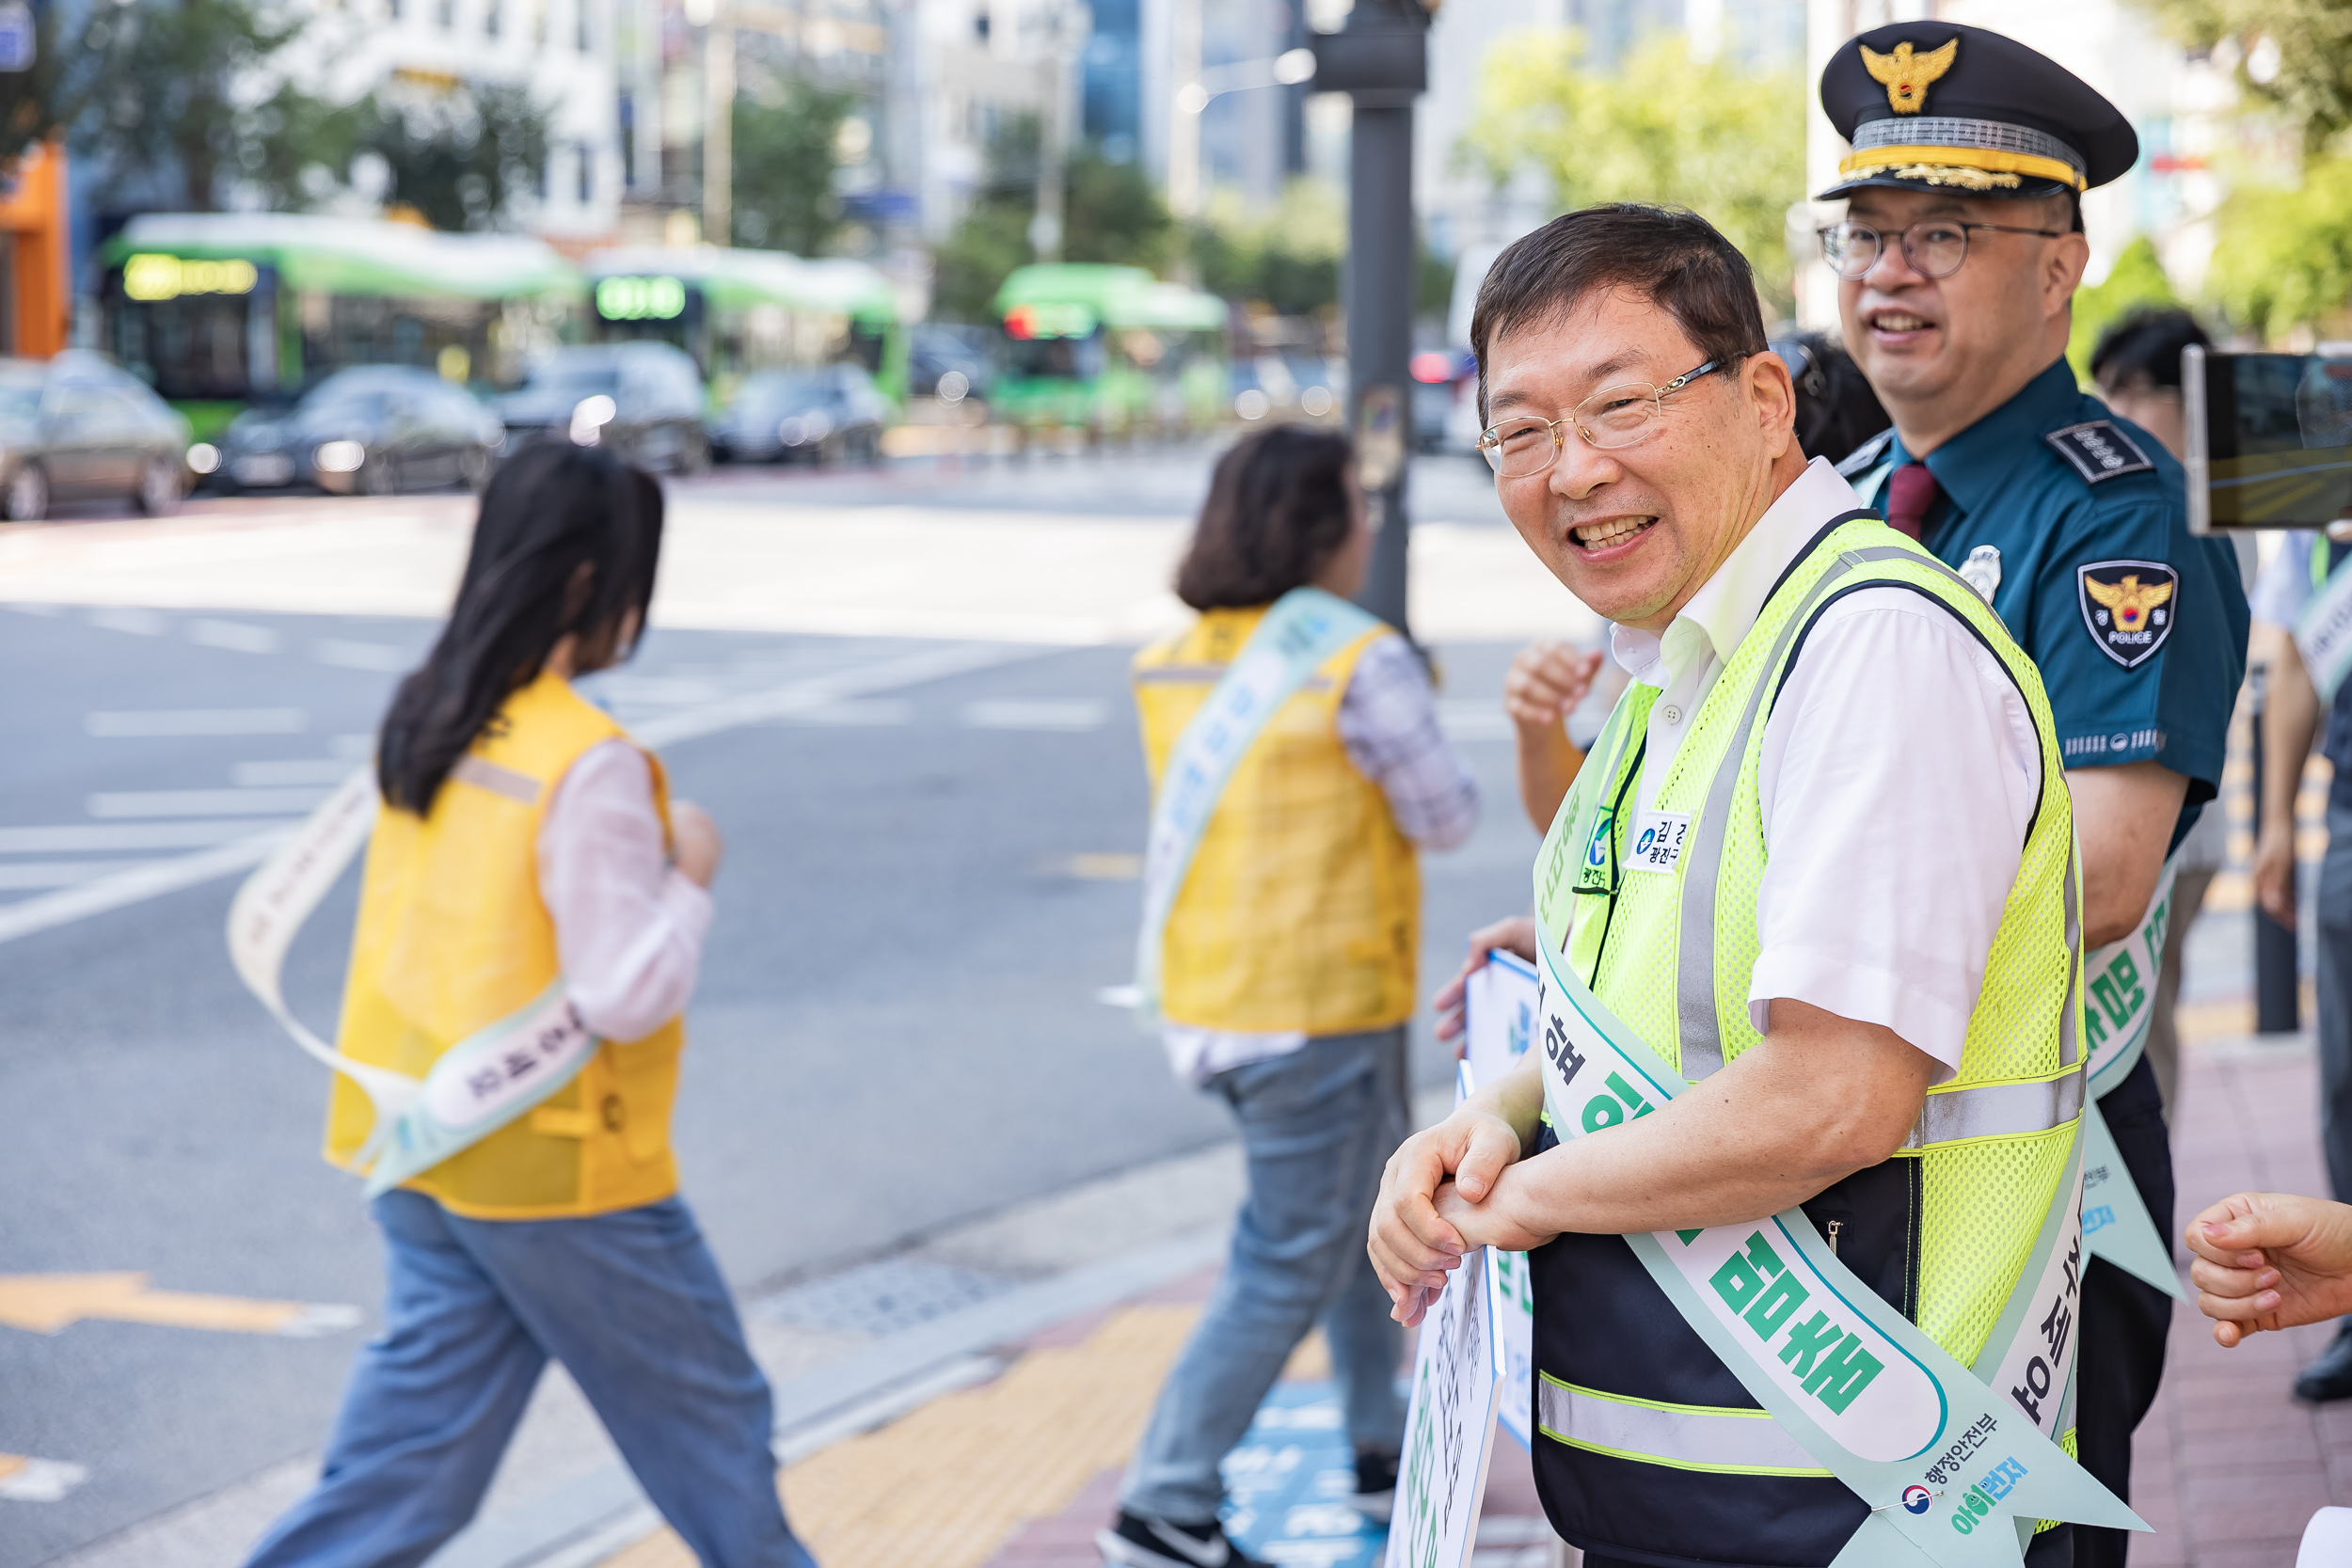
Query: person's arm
(630, 924)
(2124, 818)
(1515, 934)
(2270, 1260)
(1759, 1136)
(1388, 723)
(2291, 715)
(1546, 682)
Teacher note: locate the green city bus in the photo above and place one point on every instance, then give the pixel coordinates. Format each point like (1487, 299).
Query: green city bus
(219, 310)
(1108, 350)
(739, 311)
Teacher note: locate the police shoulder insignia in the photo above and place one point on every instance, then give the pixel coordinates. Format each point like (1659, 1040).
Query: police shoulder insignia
(1857, 462)
(2127, 607)
(2099, 451)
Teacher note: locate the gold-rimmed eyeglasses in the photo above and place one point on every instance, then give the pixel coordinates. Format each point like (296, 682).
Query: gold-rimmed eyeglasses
(1609, 420)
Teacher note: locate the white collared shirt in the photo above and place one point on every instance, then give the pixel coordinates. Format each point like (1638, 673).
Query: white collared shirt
(1899, 776)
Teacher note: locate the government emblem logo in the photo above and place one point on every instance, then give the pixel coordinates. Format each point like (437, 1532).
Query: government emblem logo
(2127, 607)
(1916, 1499)
(1907, 76)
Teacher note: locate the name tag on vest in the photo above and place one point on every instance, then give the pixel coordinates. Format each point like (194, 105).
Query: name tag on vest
(1658, 837)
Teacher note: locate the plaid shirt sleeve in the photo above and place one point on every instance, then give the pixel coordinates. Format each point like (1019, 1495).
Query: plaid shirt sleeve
(1388, 722)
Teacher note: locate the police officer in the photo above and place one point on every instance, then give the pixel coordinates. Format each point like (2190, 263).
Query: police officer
(1814, 910)
(1960, 252)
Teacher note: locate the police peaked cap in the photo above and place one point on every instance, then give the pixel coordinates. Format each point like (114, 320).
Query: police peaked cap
(1934, 105)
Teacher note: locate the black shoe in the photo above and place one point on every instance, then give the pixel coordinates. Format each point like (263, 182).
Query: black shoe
(2330, 1376)
(1140, 1542)
(1375, 1497)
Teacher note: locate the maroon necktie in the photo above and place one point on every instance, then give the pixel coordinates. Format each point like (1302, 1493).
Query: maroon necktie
(1910, 491)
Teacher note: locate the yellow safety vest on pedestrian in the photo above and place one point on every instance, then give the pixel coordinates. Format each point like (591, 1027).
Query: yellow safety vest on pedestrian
(453, 936)
(1943, 1230)
(1302, 907)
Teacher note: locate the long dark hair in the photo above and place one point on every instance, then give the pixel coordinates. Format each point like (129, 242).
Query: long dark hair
(553, 509)
(1278, 507)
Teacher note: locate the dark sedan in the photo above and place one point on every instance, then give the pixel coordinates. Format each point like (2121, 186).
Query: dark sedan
(76, 428)
(642, 400)
(373, 430)
(818, 415)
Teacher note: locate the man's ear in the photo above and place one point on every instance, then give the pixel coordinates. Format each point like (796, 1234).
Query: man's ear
(1775, 397)
(2063, 273)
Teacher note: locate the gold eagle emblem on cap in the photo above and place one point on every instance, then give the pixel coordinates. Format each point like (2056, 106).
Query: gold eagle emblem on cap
(1907, 76)
(2129, 600)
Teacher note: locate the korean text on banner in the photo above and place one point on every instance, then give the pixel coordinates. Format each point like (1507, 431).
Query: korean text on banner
(1499, 1006)
(1449, 1434)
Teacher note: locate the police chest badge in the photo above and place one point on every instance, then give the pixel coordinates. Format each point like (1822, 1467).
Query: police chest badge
(2127, 606)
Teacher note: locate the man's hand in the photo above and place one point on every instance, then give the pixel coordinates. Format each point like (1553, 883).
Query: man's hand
(696, 837)
(1411, 1246)
(1514, 935)
(1546, 682)
(2274, 869)
(2270, 1260)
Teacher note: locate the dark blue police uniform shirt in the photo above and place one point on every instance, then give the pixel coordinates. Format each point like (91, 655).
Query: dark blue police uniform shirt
(2162, 693)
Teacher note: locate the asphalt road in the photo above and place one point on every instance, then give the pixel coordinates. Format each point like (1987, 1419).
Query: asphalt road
(899, 1026)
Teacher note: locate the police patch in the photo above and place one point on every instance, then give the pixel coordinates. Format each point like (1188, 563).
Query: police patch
(2099, 451)
(2127, 607)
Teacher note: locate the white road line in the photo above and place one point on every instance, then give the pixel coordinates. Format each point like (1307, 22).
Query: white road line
(359, 655)
(135, 886)
(234, 635)
(197, 720)
(142, 623)
(20, 875)
(86, 837)
(1065, 714)
(158, 877)
(24, 1479)
(203, 802)
(290, 770)
(879, 713)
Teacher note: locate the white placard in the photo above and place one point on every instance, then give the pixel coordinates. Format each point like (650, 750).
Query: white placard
(1450, 1432)
(1501, 1020)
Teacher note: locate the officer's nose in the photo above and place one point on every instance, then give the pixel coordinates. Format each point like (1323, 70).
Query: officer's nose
(1891, 270)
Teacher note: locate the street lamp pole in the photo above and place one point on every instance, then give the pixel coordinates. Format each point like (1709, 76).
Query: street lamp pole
(1381, 60)
(719, 126)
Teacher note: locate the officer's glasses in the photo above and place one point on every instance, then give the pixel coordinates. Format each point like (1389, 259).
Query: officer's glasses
(1609, 419)
(1934, 247)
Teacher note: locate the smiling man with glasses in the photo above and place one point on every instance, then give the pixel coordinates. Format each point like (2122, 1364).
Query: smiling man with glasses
(1959, 255)
(1820, 865)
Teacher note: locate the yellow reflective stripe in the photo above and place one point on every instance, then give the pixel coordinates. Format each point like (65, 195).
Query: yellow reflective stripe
(1964, 157)
(1713, 1438)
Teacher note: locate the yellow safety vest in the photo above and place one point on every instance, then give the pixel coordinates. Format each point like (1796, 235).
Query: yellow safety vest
(1302, 908)
(453, 936)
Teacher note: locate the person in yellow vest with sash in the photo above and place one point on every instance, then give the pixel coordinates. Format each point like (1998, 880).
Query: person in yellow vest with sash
(1796, 1157)
(1297, 762)
(530, 924)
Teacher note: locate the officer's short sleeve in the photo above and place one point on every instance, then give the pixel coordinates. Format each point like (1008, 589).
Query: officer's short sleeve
(2139, 629)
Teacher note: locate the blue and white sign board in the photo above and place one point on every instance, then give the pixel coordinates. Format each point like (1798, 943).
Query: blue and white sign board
(17, 47)
(1500, 1003)
(1450, 1432)
(1288, 1482)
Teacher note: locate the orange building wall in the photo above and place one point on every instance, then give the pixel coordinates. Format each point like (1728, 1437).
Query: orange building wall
(33, 210)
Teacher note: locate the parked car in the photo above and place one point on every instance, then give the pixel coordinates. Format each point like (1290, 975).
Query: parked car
(947, 362)
(1291, 383)
(644, 400)
(372, 430)
(818, 415)
(74, 428)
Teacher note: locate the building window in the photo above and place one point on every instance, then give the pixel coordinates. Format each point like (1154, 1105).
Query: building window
(446, 14)
(587, 174)
(491, 15)
(629, 142)
(539, 24)
(579, 19)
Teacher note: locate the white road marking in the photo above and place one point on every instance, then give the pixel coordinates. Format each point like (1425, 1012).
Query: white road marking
(359, 655)
(203, 802)
(85, 837)
(141, 622)
(290, 770)
(47, 874)
(1129, 997)
(24, 1479)
(1471, 718)
(1063, 714)
(136, 885)
(198, 720)
(234, 635)
(48, 611)
(880, 713)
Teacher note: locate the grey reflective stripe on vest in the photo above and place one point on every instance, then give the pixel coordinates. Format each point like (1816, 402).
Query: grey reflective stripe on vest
(1993, 1110)
(1691, 1438)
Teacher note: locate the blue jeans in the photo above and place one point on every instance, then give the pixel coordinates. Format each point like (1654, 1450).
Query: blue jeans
(631, 1303)
(1317, 1127)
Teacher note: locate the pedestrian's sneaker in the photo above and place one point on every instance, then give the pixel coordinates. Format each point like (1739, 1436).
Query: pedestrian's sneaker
(1140, 1542)
(1375, 1497)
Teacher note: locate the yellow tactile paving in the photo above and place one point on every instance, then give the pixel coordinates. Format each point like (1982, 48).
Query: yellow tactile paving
(946, 1486)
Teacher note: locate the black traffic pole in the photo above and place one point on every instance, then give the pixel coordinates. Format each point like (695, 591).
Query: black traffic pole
(2277, 1002)
(1381, 60)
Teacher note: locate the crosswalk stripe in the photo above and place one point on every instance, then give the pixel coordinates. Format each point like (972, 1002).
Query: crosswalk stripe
(203, 802)
(27, 1480)
(197, 720)
(91, 837)
(136, 885)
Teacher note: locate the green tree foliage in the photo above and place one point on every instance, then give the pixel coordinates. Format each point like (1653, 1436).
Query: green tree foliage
(2134, 281)
(37, 103)
(784, 153)
(2312, 81)
(1286, 258)
(1110, 213)
(165, 83)
(1660, 126)
(460, 156)
(2284, 256)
